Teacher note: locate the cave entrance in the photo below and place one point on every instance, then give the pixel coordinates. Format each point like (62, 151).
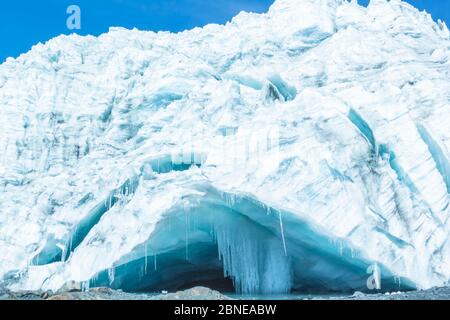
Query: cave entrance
(181, 269)
(211, 246)
(217, 246)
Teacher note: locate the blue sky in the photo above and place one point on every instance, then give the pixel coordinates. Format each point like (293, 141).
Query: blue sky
(24, 22)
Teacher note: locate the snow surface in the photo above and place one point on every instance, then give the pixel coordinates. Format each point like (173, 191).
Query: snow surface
(126, 158)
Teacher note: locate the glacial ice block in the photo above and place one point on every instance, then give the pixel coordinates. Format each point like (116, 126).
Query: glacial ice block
(296, 150)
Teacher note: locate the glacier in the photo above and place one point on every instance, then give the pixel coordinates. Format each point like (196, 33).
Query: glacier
(286, 151)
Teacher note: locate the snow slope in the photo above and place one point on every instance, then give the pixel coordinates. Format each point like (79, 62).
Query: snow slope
(289, 150)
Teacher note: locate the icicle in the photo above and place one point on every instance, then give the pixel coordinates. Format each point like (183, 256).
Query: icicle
(252, 258)
(63, 254)
(282, 233)
(69, 249)
(332, 241)
(85, 286)
(230, 199)
(341, 248)
(398, 280)
(111, 274)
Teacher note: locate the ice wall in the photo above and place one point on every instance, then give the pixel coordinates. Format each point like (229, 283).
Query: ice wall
(282, 151)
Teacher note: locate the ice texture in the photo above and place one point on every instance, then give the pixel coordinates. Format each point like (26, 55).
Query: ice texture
(112, 168)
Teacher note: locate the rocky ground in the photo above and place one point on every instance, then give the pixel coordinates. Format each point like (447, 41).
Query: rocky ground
(201, 293)
(197, 293)
(431, 294)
